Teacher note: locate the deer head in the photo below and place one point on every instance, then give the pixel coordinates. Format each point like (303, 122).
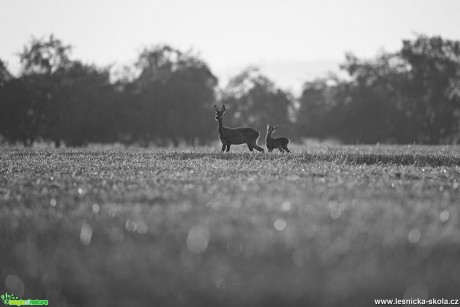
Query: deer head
(219, 113)
(270, 129)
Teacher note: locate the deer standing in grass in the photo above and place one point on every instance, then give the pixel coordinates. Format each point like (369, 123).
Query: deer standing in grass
(271, 143)
(236, 136)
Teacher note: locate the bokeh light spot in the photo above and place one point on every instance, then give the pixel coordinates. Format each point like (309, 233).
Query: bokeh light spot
(198, 239)
(131, 225)
(142, 227)
(444, 216)
(286, 205)
(96, 208)
(414, 235)
(86, 233)
(280, 224)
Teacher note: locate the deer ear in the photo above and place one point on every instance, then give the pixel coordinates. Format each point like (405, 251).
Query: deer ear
(276, 126)
(223, 107)
(216, 108)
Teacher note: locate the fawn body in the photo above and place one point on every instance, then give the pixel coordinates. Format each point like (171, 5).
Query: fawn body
(272, 143)
(236, 136)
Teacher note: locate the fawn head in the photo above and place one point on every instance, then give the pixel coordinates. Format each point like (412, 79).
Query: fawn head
(219, 113)
(270, 129)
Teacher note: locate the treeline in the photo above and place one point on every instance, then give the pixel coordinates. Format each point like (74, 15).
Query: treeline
(166, 98)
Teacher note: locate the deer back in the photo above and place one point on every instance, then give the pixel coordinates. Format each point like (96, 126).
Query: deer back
(239, 135)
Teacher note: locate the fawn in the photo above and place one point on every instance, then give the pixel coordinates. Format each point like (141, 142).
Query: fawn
(271, 143)
(236, 136)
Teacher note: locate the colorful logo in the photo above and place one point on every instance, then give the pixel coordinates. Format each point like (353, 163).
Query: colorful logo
(10, 299)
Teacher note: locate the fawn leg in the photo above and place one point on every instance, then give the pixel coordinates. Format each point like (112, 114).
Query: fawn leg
(280, 149)
(223, 147)
(228, 147)
(286, 148)
(250, 147)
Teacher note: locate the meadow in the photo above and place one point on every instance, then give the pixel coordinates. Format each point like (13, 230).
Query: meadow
(323, 226)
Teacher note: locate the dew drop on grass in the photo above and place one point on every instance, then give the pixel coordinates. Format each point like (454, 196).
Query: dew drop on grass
(455, 185)
(53, 202)
(444, 216)
(96, 208)
(414, 235)
(80, 191)
(336, 209)
(86, 233)
(198, 239)
(280, 224)
(336, 213)
(286, 205)
(292, 177)
(130, 225)
(142, 227)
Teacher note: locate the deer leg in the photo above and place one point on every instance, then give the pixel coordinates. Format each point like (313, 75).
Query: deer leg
(286, 148)
(223, 146)
(228, 147)
(280, 149)
(258, 148)
(251, 149)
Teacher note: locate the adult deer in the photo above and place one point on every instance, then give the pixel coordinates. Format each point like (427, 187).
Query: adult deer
(236, 136)
(271, 143)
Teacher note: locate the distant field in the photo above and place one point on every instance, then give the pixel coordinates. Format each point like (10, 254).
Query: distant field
(337, 226)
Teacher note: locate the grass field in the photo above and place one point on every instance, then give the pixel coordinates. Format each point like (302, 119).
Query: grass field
(195, 227)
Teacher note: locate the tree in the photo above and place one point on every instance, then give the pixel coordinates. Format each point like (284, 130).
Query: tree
(373, 109)
(405, 97)
(22, 112)
(172, 95)
(84, 108)
(44, 56)
(434, 87)
(254, 100)
(5, 75)
(29, 98)
(318, 102)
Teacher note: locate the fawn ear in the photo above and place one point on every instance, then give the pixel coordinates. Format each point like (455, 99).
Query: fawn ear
(223, 107)
(276, 126)
(216, 108)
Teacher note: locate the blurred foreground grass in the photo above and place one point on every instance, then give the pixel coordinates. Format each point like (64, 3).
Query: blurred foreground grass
(195, 227)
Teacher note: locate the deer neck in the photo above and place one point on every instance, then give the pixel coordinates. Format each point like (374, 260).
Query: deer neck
(269, 135)
(220, 125)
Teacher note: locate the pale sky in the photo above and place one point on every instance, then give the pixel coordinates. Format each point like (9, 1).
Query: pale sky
(292, 40)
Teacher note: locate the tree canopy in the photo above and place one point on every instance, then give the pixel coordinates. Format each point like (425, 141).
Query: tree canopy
(165, 98)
